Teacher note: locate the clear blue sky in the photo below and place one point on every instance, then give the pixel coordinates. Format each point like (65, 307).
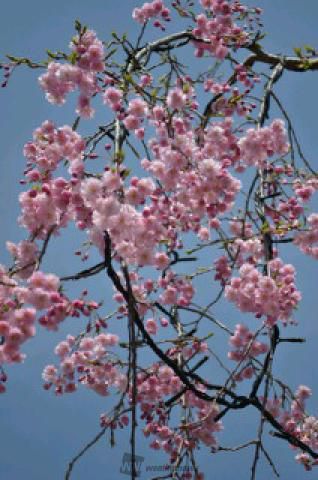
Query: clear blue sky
(38, 432)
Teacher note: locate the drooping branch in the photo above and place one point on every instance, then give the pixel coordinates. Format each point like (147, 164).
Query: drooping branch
(238, 401)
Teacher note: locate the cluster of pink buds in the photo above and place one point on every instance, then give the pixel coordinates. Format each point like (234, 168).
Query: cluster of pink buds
(113, 98)
(17, 321)
(176, 290)
(176, 99)
(258, 145)
(89, 362)
(296, 422)
(137, 110)
(232, 99)
(153, 387)
(63, 308)
(25, 255)
(245, 77)
(302, 426)
(290, 209)
(61, 79)
(150, 10)
(16, 327)
(247, 251)
(49, 146)
(273, 296)
(8, 69)
(305, 189)
(216, 33)
(307, 240)
(222, 269)
(245, 346)
(44, 209)
(90, 51)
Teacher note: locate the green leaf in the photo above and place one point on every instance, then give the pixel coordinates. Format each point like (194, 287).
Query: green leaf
(265, 228)
(128, 77)
(73, 57)
(78, 26)
(125, 173)
(51, 54)
(298, 52)
(309, 49)
(154, 93)
(209, 336)
(13, 59)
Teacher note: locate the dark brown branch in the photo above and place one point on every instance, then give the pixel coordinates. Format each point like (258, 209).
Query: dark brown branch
(294, 64)
(133, 367)
(89, 272)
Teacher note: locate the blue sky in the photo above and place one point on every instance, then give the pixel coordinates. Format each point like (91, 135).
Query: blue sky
(40, 433)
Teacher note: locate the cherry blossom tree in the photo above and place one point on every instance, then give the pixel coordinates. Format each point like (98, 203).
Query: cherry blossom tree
(191, 177)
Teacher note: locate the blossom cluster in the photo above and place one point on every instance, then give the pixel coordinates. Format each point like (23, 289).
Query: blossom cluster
(172, 289)
(51, 203)
(153, 387)
(244, 347)
(50, 145)
(25, 255)
(214, 35)
(296, 422)
(222, 269)
(89, 362)
(61, 79)
(307, 240)
(20, 304)
(46, 209)
(304, 189)
(258, 145)
(273, 296)
(17, 319)
(149, 10)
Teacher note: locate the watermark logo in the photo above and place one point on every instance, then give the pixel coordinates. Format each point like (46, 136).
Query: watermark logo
(126, 466)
